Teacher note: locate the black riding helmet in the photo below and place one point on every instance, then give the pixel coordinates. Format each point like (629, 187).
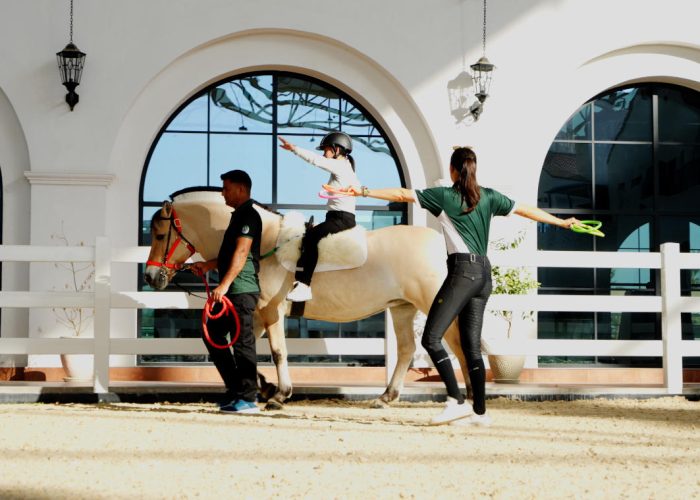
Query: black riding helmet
(337, 139)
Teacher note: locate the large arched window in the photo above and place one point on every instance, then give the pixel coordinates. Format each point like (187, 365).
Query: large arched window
(236, 124)
(630, 157)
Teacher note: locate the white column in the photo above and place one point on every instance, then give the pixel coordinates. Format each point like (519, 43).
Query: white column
(66, 208)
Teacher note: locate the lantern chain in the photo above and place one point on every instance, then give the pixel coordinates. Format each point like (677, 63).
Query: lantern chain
(483, 38)
(71, 21)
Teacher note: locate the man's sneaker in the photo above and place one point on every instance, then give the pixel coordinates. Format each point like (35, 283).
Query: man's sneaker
(240, 406)
(474, 420)
(453, 411)
(301, 292)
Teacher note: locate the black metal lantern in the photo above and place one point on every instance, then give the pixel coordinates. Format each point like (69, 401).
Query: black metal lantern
(70, 63)
(481, 73)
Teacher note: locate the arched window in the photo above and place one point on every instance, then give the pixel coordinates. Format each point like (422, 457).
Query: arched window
(629, 157)
(236, 124)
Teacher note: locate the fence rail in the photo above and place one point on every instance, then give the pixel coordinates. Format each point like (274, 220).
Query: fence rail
(671, 348)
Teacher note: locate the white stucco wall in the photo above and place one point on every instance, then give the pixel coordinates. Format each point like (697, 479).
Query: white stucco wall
(146, 57)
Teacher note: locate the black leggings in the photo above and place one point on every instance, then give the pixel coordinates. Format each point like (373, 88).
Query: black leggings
(238, 369)
(335, 222)
(463, 294)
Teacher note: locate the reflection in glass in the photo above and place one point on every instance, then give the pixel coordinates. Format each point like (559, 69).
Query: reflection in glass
(578, 127)
(242, 105)
(624, 177)
(623, 115)
(565, 181)
(679, 115)
(679, 177)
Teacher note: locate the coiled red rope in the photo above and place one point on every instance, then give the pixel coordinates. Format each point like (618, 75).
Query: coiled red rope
(227, 308)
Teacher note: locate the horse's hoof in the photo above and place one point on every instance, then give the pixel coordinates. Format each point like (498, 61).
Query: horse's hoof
(378, 404)
(273, 405)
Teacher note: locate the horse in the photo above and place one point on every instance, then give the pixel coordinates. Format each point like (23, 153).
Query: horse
(404, 270)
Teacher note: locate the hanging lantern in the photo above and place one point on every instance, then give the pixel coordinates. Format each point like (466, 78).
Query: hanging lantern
(70, 63)
(481, 71)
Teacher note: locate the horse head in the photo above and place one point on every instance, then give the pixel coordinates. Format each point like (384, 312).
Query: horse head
(169, 247)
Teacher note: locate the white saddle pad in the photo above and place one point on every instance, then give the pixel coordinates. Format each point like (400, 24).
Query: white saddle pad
(344, 250)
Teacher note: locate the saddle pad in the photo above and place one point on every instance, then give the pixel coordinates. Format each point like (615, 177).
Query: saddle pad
(344, 250)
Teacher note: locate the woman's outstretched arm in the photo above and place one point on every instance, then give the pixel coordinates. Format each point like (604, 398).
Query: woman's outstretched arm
(539, 215)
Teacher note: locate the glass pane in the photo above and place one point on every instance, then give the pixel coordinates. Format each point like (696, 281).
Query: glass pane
(624, 177)
(564, 280)
(565, 325)
(177, 162)
(299, 181)
(626, 234)
(354, 121)
(578, 127)
(565, 181)
(374, 166)
(305, 107)
(252, 153)
(623, 115)
(193, 117)
(679, 115)
(242, 105)
(679, 177)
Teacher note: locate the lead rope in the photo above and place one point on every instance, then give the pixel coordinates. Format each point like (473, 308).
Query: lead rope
(227, 308)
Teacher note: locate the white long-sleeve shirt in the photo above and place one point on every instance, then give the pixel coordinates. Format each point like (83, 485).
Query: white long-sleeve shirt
(342, 176)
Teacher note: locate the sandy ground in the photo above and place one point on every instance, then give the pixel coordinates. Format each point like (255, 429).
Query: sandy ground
(329, 449)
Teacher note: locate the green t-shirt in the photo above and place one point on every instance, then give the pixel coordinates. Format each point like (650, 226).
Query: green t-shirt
(464, 232)
(245, 223)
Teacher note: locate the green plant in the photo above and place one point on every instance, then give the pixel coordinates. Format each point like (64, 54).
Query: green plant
(512, 280)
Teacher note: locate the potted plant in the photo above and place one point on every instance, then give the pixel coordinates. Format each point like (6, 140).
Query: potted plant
(510, 281)
(78, 367)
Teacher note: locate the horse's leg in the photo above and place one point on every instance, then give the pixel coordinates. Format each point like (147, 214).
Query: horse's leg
(278, 348)
(266, 389)
(402, 317)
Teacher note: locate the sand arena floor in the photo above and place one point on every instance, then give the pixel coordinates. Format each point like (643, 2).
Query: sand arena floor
(333, 449)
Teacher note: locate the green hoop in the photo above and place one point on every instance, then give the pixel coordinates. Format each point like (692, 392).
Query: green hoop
(589, 227)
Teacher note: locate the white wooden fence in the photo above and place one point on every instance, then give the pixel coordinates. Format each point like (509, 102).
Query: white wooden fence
(103, 299)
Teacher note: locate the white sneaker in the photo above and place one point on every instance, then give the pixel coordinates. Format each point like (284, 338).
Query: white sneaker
(452, 412)
(300, 292)
(475, 420)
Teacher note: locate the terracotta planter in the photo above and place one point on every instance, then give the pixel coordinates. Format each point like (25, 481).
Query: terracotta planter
(506, 369)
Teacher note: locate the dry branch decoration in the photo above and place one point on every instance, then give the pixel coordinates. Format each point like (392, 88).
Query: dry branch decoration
(82, 279)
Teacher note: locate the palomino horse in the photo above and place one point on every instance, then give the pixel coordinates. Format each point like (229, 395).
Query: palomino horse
(404, 270)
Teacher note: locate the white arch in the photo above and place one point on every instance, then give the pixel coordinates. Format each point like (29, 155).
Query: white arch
(261, 50)
(660, 62)
(14, 161)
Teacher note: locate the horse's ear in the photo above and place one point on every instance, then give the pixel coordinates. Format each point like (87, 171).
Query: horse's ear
(166, 210)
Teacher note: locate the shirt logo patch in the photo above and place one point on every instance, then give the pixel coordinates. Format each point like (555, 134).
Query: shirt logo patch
(245, 230)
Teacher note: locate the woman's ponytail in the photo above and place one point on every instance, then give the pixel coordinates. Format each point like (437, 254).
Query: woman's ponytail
(463, 160)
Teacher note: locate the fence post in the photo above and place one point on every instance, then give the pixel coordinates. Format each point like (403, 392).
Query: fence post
(671, 318)
(103, 290)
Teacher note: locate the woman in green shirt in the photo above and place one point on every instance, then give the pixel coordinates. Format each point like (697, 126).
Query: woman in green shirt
(464, 211)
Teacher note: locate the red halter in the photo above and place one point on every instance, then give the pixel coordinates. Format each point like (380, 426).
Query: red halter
(169, 251)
